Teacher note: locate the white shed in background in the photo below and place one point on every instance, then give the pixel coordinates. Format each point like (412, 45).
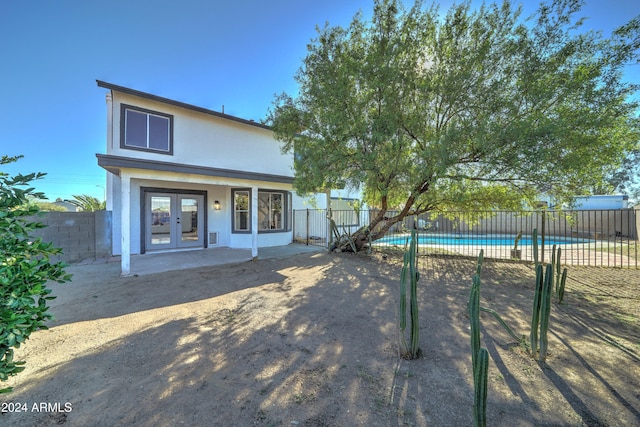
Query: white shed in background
(600, 202)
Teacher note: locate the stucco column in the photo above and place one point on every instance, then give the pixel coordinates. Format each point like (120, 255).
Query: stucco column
(125, 224)
(254, 222)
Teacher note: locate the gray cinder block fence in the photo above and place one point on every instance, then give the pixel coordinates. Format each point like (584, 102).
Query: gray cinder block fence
(81, 235)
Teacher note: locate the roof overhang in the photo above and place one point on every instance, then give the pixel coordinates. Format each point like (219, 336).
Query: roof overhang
(114, 164)
(175, 103)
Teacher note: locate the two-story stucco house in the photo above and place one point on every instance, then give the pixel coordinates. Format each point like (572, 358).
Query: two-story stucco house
(182, 176)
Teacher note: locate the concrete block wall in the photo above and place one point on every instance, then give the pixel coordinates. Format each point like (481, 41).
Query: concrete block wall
(577, 223)
(81, 235)
(596, 224)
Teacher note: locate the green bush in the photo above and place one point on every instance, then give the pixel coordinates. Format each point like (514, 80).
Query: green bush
(25, 269)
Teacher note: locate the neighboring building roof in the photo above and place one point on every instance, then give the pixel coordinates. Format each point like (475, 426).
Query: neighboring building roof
(152, 97)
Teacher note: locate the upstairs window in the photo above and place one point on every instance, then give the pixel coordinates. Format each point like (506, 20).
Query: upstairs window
(146, 130)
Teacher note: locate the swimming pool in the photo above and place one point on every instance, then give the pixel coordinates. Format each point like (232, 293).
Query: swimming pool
(476, 240)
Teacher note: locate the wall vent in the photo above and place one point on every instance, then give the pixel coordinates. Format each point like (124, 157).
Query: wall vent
(213, 238)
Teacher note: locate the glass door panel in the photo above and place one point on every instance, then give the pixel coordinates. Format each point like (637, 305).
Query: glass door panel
(161, 223)
(189, 228)
(174, 221)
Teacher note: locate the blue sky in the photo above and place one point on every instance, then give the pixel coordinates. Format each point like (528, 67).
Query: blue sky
(207, 53)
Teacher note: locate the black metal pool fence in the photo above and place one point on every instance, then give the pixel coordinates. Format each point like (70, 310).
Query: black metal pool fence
(606, 238)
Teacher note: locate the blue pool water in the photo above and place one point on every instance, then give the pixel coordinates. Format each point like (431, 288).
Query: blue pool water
(479, 240)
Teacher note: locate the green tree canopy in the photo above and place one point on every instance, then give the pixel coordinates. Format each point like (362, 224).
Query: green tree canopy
(88, 203)
(626, 179)
(45, 206)
(473, 109)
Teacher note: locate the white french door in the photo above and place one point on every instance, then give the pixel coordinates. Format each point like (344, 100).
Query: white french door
(174, 221)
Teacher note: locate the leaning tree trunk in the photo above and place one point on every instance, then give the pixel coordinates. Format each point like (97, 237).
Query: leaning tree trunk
(376, 229)
(380, 224)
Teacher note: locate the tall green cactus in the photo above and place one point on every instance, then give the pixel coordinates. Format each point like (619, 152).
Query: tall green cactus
(480, 262)
(403, 303)
(474, 319)
(545, 311)
(474, 311)
(560, 280)
(480, 381)
(563, 281)
(402, 317)
(535, 318)
(552, 281)
(479, 356)
(541, 312)
(409, 276)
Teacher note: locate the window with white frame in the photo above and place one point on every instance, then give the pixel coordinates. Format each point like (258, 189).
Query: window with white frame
(241, 211)
(146, 130)
(271, 210)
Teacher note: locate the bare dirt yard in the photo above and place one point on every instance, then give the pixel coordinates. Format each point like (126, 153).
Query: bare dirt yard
(311, 340)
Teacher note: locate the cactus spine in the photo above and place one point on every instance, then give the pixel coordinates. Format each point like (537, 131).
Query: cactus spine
(410, 276)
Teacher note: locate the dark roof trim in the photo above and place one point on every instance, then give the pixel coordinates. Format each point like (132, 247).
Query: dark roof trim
(114, 163)
(152, 97)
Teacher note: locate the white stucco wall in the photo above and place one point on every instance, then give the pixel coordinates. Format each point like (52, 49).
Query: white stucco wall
(217, 220)
(204, 140)
(602, 202)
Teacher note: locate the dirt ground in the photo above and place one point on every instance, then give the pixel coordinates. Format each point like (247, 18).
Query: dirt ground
(311, 340)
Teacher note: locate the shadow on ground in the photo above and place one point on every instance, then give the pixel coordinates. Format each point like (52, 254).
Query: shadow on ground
(311, 341)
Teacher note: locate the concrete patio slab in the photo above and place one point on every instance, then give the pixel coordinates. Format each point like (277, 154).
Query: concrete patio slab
(158, 262)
